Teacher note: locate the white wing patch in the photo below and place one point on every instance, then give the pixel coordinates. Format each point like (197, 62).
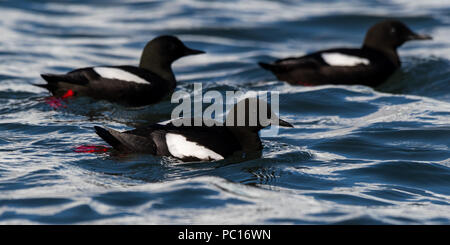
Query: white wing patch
(115, 73)
(180, 147)
(167, 121)
(339, 59)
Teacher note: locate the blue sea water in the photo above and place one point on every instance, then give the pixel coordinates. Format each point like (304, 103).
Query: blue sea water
(357, 155)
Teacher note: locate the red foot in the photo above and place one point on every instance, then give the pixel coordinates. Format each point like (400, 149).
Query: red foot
(91, 148)
(68, 94)
(56, 103)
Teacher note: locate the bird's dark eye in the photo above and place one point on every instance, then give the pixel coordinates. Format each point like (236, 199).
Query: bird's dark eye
(393, 30)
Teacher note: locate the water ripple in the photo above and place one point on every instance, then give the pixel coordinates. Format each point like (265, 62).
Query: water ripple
(357, 155)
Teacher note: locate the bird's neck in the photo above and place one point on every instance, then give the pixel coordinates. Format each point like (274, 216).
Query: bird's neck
(390, 53)
(248, 138)
(160, 69)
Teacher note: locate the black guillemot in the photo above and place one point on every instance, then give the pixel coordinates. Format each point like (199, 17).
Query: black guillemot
(147, 84)
(197, 143)
(369, 65)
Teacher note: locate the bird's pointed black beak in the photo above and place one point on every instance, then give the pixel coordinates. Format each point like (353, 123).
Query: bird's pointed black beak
(189, 51)
(415, 36)
(283, 123)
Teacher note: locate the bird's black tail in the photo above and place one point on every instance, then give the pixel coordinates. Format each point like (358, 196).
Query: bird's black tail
(51, 78)
(52, 82)
(108, 137)
(46, 86)
(270, 67)
(126, 142)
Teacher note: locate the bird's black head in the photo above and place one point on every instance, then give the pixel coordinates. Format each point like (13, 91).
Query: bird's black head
(389, 35)
(253, 114)
(161, 52)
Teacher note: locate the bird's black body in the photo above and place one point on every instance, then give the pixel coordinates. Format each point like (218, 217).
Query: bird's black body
(86, 82)
(188, 143)
(151, 139)
(313, 70)
(147, 84)
(369, 65)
